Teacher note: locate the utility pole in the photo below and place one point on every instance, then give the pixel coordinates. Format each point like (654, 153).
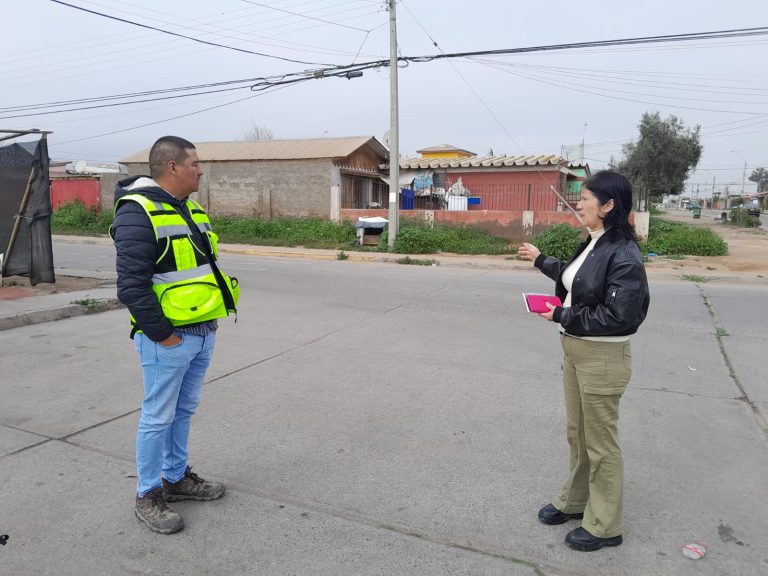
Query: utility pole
(394, 131)
(743, 178)
(744, 173)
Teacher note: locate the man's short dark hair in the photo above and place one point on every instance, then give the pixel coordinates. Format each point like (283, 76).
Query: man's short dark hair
(166, 149)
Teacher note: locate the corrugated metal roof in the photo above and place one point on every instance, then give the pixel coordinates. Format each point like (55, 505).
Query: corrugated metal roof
(443, 148)
(300, 149)
(480, 162)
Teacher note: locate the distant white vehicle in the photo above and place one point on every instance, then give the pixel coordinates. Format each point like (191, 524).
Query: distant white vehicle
(88, 168)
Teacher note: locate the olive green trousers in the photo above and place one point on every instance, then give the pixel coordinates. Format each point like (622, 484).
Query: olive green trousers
(595, 375)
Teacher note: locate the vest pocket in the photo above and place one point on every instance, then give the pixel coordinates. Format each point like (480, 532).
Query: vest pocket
(190, 302)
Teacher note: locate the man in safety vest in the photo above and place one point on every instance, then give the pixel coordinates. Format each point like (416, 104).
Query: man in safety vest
(168, 277)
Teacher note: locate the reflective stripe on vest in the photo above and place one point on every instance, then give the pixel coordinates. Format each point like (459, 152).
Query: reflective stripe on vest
(182, 275)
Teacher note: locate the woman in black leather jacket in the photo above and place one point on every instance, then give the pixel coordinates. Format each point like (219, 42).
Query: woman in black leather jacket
(605, 298)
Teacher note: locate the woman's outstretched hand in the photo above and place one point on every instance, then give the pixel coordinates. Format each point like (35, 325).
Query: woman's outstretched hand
(528, 252)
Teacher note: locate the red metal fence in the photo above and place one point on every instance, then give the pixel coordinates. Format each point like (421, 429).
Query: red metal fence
(67, 190)
(513, 197)
(362, 193)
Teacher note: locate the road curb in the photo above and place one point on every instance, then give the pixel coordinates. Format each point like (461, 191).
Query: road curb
(54, 313)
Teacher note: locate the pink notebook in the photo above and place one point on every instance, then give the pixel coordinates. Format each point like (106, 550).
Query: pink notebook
(537, 302)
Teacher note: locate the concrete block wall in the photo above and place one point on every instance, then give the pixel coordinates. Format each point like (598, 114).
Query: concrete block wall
(267, 189)
(107, 183)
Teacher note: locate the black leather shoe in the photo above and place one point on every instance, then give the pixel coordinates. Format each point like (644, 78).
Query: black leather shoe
(551, 515)
(581, 540)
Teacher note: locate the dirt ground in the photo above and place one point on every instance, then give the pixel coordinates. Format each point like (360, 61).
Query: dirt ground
(747, 251)
(18, 287)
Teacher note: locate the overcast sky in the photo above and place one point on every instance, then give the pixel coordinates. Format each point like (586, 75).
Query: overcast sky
(512, 104)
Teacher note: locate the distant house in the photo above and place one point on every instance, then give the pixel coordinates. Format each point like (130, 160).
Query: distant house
(295, 178)
(444, 151)
(500, 183)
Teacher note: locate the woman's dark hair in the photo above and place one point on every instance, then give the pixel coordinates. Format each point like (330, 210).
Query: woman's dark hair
(609, 185)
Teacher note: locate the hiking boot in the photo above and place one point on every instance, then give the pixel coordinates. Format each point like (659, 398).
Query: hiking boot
(154, 511)
(192, 487)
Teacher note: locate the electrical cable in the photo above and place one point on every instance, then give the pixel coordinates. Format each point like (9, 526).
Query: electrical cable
(305, 16)
(169, 119)
(575, 89)
(344, 70)
(243, 50)
(384, 63)
(619, 79)
(532, 76)
(18, 57)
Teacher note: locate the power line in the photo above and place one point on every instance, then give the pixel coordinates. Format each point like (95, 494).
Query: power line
(619, 79)
(155, 58)
(331, 71)
(266, 83)
(169, 119)
(148, 27)
(18, 57)
(740, 32)
(113, 104)
(125, 95)
(305, 16)
(575, 89)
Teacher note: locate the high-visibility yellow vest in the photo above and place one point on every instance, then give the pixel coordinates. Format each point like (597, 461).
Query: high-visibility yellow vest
(188, 285)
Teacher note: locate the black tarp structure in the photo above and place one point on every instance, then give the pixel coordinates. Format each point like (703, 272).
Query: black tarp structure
(25, 211)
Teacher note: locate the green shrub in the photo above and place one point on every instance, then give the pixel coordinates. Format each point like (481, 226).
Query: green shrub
(677, 238)
(739, 217)
(77, 218)
(418, 238)
(309, 232)
(560, 241)
(413, 240)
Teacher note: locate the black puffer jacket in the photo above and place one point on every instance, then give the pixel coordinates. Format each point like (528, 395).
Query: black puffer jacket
(137, 252)
(609, 296)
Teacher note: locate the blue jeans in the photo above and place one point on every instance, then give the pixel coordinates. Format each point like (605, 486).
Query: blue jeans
(173, 381)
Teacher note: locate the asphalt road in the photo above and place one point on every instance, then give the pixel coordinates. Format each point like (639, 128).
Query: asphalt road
(386, 419)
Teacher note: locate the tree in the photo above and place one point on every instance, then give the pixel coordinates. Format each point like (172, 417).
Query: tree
(760, 175)
(661, 158)
(257, 132)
